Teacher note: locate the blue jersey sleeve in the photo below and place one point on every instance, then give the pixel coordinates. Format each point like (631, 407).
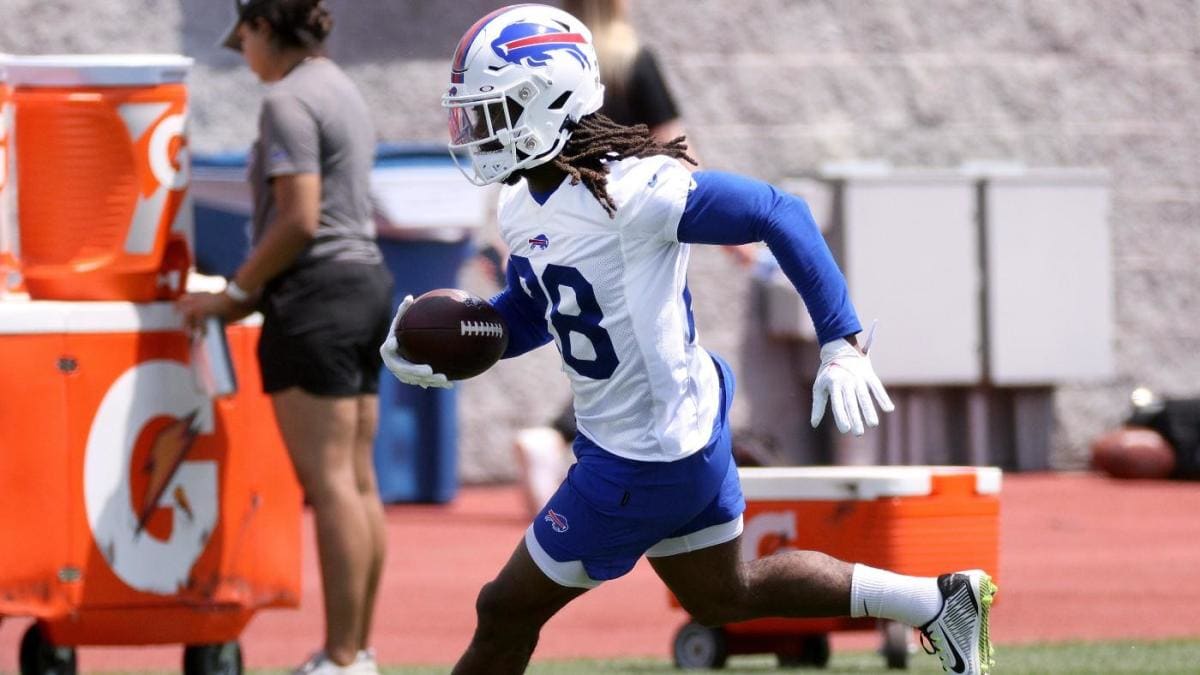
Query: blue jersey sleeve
(526, 324)
(724, 208)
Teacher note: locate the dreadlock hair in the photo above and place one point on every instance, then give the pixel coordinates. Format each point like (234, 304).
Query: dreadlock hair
(596, 140)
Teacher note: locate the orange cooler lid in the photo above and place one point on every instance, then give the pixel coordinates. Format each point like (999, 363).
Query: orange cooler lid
(97, 70)
(851, 483)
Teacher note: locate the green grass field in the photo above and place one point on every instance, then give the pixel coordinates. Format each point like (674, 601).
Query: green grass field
(1140, 658)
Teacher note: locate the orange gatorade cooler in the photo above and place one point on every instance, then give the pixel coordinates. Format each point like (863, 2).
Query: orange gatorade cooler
(137, 509)
(10, 276)
(101, 155)
(918, 520)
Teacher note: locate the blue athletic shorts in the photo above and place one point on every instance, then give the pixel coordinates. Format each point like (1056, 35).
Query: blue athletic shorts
(610, 511)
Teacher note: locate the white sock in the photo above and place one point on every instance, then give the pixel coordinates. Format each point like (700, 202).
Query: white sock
(910, 600)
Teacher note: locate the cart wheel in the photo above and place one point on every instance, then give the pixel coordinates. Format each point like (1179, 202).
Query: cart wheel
(40, 657)
(813, 652)
(699, 646)
(224, 658)
(896, 638)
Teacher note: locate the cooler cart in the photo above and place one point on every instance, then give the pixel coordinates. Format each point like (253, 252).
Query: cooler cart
(919, 520)
(136, 510)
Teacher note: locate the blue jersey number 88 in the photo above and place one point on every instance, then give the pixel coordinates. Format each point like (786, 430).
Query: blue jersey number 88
(586, 323)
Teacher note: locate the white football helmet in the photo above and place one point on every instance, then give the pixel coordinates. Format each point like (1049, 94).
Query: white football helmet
(519, 76)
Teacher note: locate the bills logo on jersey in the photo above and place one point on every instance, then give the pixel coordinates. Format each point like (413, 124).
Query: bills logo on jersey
(530, 44)
(539, 242)
(557, 522)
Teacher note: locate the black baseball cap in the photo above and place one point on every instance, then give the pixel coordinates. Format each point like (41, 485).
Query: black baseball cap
(241, 7)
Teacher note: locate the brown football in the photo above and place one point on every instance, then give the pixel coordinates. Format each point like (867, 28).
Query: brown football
(458, 334)
(1133, 452)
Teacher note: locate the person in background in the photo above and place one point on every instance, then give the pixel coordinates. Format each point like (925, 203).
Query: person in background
(635, 91)
(600, 220)
(317, 276)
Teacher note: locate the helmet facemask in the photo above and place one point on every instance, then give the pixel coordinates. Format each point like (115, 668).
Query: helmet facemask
(493, 130)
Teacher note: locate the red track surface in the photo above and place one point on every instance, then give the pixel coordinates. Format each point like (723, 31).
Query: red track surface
(1082, 558)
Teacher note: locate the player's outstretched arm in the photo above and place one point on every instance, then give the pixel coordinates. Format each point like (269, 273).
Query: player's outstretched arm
(418, 374)
(726, 208)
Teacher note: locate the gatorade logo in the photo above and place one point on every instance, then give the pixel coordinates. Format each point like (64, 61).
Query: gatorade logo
(151, 500)
(768, 533)
(159, 133)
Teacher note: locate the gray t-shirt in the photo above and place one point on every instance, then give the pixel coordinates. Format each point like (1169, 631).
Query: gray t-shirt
(315, 120)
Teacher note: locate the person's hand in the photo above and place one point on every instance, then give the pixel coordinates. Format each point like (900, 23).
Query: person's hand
(195, 307)
(847, 381)
(406, 371)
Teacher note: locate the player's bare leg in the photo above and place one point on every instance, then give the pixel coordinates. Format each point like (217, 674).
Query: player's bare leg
(716, 587)
(511, 610)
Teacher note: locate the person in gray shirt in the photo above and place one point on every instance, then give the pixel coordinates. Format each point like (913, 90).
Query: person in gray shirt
(318, 278)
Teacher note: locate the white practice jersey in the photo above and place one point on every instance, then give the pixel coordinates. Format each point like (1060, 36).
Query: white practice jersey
(613, 292)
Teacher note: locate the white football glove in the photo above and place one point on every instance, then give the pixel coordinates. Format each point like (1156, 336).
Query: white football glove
(846, 380)
(406, 371)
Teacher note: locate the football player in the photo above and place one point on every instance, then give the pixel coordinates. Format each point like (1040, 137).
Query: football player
(599, 218)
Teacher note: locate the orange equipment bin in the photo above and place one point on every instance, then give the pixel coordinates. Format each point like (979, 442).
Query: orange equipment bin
(102, 174)
(919, 520)
(136, 510)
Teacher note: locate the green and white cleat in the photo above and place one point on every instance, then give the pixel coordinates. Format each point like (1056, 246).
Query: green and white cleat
(959, 633)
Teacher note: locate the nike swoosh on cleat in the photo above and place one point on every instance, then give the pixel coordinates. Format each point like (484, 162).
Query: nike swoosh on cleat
(959, 665)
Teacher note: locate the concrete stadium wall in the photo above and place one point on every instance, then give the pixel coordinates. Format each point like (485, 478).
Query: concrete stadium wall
(775, 88)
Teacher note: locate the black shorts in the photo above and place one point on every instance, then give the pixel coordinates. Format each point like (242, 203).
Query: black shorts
(322, 327)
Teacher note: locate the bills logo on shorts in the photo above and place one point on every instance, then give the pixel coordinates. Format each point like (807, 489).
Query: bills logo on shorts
(530, 44)
(541, 241)
(557, 523)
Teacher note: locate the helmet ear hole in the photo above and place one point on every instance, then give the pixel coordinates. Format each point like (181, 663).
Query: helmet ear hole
(515, 109)
(560, 101)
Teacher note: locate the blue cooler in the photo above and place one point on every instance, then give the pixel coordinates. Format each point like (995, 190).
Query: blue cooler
(223, 204)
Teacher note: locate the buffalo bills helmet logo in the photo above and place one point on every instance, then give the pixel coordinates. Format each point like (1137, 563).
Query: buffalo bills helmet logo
(541, 241)
(557, 522)
(530, 44)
